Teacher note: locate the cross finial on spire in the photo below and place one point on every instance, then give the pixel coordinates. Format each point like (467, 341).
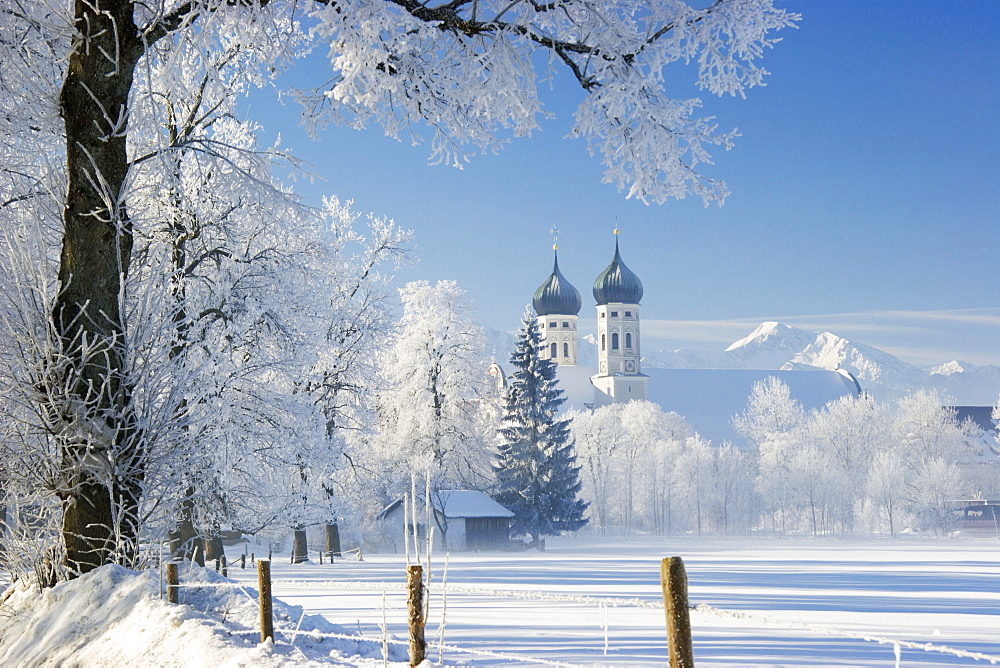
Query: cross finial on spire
(554, 231)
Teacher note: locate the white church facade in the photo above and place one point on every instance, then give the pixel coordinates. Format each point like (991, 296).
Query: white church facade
(707, 398)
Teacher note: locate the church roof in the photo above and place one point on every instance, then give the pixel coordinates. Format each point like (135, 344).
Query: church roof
(556, 296)
(981, 416)
(617, 283)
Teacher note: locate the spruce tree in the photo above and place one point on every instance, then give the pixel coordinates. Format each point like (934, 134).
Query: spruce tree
(537, 475)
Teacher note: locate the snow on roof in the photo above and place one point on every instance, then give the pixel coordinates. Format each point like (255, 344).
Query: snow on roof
(469, 503)
(709, 398)
(458, 503)
(575, 383)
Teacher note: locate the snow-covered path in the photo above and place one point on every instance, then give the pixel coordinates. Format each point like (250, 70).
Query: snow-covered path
(763, 602)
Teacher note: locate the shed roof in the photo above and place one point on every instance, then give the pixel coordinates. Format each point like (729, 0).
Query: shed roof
(470, 503)
(457, 503)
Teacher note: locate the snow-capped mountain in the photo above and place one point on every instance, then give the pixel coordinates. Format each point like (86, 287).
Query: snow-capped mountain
(960, 379)
(773, 345)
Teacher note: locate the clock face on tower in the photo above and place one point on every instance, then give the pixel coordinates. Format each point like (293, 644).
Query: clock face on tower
(630, 365)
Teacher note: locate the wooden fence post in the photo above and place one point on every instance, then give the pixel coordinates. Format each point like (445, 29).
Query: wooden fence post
(415, 609)
(264, 587)
(225, 567)
(243, 561)
(172, 587)
(673, 579)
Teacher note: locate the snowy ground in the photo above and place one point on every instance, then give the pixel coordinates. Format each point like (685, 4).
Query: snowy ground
(777, 602)
(582, 602)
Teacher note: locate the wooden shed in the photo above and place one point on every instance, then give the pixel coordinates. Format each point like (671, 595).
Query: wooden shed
(463, 519)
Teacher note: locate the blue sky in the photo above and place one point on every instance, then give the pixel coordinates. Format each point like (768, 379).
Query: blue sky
(865, 194)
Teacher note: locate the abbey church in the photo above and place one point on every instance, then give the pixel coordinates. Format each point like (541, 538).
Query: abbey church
(707, 398)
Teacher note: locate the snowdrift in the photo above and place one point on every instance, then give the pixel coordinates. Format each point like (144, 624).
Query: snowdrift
(116, 617)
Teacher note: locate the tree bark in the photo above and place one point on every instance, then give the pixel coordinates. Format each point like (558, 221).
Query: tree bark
(300, 547)
(214, 548)
(90, 417)
(332, 547)
(187, 542)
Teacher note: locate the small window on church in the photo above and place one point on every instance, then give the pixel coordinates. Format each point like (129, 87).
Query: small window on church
(565, 324)
(628, 314)
(602, 314)
(603, 341)
(614, 314)
(565, 350)
(554, 350)
(628, 340)
(614, 341)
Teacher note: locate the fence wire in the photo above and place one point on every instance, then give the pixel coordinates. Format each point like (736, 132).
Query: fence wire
(597, 601)
(437, 646)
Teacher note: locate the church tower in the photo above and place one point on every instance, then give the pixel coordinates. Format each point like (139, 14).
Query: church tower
(557, 305)
(617, 292)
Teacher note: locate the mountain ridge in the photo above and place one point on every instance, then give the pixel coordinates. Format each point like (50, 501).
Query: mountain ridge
(775, 345)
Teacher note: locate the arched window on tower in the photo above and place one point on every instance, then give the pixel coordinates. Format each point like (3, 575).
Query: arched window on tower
(565, 350)
(614, 341)
(554, 350)
(628, 340)
(603, 342)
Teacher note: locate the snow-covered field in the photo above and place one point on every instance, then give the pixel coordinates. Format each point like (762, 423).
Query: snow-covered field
(585, 601)
(764, 602)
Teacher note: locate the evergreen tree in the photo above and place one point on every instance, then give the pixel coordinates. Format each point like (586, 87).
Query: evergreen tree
(537, 475)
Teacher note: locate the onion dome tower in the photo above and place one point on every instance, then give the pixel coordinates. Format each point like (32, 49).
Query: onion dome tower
(557, 305)
(617, 292)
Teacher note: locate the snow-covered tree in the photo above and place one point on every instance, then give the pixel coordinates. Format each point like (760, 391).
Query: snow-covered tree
(995, 414)
(849, 431)
(733, 492)
(694, 473)
(662, 477)
(627, 453)
(933, 446)
(599, 436)
(431, 410)
(885, 485)
(78, 83)
(770, 411)
(537, 477)
(772, 423)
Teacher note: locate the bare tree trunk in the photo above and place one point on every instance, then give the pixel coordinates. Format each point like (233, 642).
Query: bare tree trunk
(213, 542)
(3, 535)
(90, 418)
(300, 546)
(332, 546)
(187, 541)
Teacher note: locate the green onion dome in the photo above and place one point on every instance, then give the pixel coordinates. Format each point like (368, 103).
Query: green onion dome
(617, 283)
(556, 296)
